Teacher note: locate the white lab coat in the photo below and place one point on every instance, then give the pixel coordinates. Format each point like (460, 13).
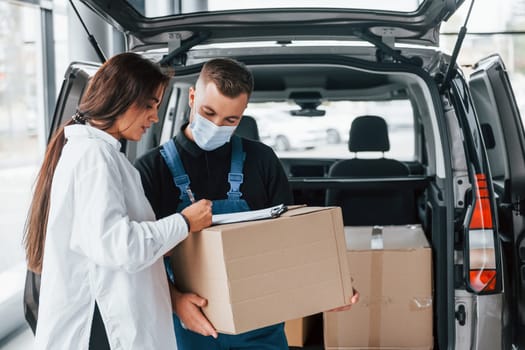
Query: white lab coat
(102, 244)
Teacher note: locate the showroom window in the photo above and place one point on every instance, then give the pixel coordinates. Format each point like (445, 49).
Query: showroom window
(21, 108)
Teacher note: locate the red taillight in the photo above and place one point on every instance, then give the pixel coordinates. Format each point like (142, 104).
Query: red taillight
(482, 214)
(481, 244)
(483, 280)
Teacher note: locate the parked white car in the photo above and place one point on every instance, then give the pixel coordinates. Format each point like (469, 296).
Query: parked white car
(284, 132)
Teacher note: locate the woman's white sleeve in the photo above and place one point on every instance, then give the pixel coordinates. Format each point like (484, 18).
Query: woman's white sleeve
(103, 232)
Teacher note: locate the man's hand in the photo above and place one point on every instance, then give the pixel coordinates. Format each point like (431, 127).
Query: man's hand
(187, 306)
(198, 214)
(353, 300)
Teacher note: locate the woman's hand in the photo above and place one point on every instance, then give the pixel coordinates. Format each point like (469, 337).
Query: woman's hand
(198, 214)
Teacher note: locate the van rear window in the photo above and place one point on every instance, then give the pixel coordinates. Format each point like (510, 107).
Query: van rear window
(323, 131)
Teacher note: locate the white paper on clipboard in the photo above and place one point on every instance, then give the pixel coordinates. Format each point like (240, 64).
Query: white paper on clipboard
(266, 213)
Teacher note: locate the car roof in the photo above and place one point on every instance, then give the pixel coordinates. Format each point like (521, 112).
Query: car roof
(416, 24)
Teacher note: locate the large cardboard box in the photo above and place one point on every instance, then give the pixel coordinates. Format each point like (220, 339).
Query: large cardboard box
(260, 273)
(391, 268)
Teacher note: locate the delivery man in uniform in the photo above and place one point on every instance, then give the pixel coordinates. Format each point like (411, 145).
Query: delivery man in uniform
(205, 160)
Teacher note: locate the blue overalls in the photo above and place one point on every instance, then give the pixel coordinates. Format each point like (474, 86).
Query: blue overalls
(271, 337)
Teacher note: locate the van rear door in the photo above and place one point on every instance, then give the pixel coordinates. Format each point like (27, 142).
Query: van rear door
(75, 81)
(504, 140)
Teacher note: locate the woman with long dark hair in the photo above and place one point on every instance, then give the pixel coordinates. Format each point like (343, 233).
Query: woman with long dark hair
(91, 232)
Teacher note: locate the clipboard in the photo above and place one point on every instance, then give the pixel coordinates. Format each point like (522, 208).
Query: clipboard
(261, 214)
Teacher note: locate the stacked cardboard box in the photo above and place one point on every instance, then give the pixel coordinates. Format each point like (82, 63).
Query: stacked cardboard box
(299, 331)
(391, 268)
(259, 273)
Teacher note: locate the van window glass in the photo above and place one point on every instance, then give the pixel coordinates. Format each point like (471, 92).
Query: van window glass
(327, 136)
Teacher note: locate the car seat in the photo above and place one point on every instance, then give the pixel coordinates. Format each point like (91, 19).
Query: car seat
(371, 202)
(247, 128)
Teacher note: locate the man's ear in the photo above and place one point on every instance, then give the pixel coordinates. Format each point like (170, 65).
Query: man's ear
(191, 97)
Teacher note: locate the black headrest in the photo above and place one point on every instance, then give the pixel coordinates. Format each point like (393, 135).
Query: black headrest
(368, 133)
(247, 128)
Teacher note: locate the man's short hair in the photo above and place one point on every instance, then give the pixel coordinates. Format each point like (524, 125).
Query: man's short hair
(231, 77)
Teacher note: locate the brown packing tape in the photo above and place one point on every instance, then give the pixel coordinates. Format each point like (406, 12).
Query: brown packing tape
(376, 293)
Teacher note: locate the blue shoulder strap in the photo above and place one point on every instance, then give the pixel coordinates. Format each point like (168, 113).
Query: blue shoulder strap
(235, 176)
(171, 157)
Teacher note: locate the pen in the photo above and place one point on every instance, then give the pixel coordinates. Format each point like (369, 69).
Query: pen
(190, 195)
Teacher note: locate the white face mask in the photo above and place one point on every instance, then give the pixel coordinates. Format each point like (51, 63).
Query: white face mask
(209, 136)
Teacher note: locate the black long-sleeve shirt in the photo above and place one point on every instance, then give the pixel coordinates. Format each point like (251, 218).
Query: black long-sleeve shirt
(265, 183)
